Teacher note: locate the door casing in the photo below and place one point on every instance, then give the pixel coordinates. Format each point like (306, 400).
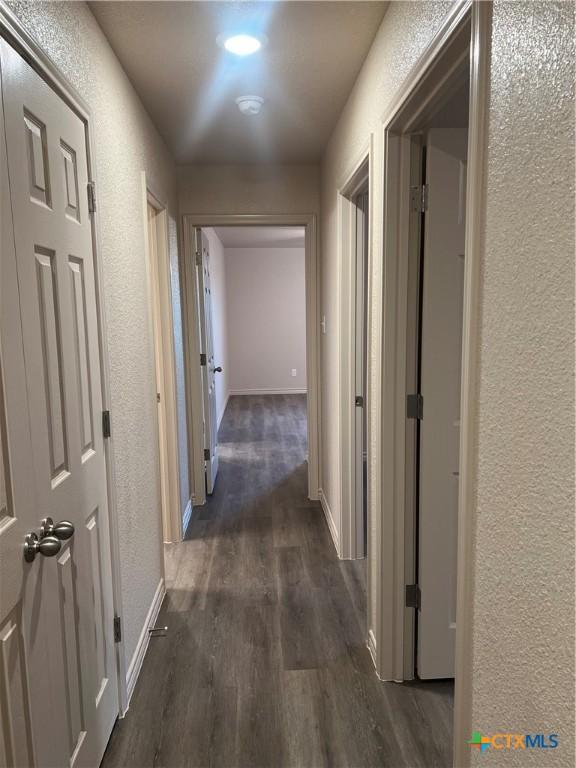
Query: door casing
(357, 179)
(159, 292)
(194, 379)
(12, 30)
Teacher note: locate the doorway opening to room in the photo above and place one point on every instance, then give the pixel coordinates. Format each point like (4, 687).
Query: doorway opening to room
(175, 511)
(354, 204)
(251, 308)
(438, 159)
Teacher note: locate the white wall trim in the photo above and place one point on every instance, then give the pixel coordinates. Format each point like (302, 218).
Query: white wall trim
(360, 172)
(329, 520)
(480, 63)
(268, 391)
(160, 301)
(142, 646)
(187, 516)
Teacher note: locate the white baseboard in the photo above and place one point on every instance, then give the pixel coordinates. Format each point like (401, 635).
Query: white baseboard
(268, 391)
(223, 410)
(330, 520)
(187, 516)
(142, 646)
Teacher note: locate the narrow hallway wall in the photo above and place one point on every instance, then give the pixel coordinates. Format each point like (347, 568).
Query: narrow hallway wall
(256, 189)
(266, 298)
(126, 143)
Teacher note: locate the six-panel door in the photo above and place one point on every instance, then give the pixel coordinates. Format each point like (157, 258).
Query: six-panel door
(54, 262)
(209, 369)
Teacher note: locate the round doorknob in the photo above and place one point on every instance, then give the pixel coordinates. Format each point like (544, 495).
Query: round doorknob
(49, 546)
(62, 530)
(218, 369)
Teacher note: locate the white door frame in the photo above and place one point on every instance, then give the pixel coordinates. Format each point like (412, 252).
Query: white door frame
(194, 386)
(351, 541)
(12, 30)
(172, 514)
(468, 25)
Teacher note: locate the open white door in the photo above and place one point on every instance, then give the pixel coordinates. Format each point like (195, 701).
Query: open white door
(58, 684)
(361, 252)
(209, 368)
(441, 356)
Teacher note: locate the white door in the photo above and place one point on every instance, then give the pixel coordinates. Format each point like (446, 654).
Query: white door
(58, 685)
(441, 356)
(360, 371)
(209, 368)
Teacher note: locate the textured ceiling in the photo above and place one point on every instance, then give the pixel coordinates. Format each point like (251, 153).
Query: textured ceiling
(261, 237)
(189, 84)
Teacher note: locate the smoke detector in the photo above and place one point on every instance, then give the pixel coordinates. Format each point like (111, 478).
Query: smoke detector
(249, 105)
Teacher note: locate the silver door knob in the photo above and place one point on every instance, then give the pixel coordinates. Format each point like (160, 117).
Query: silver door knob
(47, 546)
(62, 530)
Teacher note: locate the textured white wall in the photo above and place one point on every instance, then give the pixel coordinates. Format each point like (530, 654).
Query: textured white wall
(266, 298)
(405, 31)
(524, 563)
(219, 320)
(263, 189)
(125, 143)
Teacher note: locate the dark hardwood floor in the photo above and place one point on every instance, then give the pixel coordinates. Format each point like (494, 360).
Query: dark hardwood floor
(265, 662)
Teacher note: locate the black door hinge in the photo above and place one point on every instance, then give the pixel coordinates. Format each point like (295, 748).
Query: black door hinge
(414, 406)
(106, 427)
(207, 454)
(413, 596)
(117, 629)
(91, 189)
(202, 358)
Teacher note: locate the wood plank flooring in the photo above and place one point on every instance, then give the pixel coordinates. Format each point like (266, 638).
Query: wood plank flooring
(265, 664)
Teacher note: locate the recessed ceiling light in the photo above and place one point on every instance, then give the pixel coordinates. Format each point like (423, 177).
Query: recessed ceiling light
(242, 45)
(249, 105)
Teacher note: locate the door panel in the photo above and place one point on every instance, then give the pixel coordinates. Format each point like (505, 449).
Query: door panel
(23, 650)
(360, 277)
(208, 370)
(16, 731)
(441, 361)
(48, 172)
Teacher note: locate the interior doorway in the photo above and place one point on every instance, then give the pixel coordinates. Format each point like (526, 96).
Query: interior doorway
(157, 259)
(268, 343)
(354, 203)
(459, 58)
(435, 305)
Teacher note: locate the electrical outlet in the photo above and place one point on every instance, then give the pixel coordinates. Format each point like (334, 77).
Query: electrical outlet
(293, 372)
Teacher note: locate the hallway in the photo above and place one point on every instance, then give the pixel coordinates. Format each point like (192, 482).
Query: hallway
(265, 661)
